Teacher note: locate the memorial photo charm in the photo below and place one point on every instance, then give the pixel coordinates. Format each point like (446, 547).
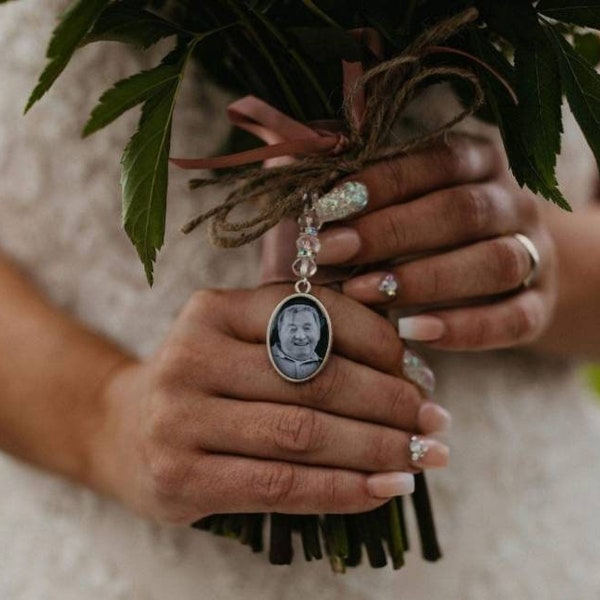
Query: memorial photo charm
(299, 333)
(299, 337)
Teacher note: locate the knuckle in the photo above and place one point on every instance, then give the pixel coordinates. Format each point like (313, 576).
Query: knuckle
(205, 302)
(386, 347)
(273, 486)
(330, 489)
(521, 323)
(167, 475)
(298, 430)
(382, 450)
(474, 210)
(393, 175)
(175, 366)
(401, 404)
(508, 262)
(393, 233)
(453, 159)
(321, 390)
(476, 335)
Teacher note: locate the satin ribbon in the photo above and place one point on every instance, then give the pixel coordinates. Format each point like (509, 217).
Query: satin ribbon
(283, 135)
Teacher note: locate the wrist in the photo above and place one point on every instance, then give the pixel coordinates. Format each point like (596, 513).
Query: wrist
(112, 444)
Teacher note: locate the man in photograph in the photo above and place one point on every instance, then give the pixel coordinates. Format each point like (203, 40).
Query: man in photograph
(299, 331)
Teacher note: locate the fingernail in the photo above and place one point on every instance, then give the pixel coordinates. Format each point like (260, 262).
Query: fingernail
(432, 418)
(422, 328)
(389, 286)
(342, 201)
(338, 245)
(388, 485)
(415, 369)
(428, 453)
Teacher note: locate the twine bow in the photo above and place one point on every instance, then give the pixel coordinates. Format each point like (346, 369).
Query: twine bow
(327, 153)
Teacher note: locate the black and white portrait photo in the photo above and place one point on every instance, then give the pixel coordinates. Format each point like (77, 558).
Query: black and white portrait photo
(299, 337)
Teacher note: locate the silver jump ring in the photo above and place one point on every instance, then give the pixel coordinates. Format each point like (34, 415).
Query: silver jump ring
(534, 257)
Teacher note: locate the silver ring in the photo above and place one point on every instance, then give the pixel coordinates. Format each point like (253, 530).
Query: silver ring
(534, 257)
(418, 448)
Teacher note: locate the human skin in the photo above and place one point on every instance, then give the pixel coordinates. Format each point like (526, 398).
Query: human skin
(176, 437)
(299, 333)
(451, 212)
(164, 435)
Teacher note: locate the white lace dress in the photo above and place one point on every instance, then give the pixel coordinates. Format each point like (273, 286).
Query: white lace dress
(518, 509)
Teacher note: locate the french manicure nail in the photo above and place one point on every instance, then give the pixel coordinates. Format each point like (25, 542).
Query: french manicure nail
(388, 485)
(338, 245)
(432, 418)
(415, 369)
(342, 201)
(428, 453)
(422, 328)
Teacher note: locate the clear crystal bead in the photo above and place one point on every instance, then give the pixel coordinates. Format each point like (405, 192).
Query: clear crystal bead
(304, 267)
(308, 243)
(389, 286)
(309, 222)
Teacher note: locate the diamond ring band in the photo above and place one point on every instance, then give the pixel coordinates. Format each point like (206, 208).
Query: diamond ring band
(534, 257)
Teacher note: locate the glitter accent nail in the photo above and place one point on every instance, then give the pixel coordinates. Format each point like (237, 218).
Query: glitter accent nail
(416, 370)
(342, 201)
(389, 286)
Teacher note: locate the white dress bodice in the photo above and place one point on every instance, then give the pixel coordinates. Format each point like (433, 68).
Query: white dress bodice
(517, 509)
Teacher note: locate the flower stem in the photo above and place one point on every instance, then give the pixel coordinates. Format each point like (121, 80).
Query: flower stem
(429, 544)
(280, 546)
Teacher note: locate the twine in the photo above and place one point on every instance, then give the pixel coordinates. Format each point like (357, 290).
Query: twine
(391, 86)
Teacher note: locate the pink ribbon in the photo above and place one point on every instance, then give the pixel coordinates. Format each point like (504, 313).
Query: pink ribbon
(283, 135)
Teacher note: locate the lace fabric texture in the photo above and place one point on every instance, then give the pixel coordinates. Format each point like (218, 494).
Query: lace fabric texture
(517, 509)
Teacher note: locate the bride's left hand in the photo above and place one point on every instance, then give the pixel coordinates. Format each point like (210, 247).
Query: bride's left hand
(449, 214)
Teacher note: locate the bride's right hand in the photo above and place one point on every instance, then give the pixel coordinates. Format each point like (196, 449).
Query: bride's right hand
(207, 426)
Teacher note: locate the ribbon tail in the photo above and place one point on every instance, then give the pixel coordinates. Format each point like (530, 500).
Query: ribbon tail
(317, 145)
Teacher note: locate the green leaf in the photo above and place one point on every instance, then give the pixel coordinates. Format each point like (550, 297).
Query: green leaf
(588, 45)
(75, 23)
(145, 163)
(128, 23)
(128, 93)
(522, 163)
(540, 102)
(578, 12)
(582, 87)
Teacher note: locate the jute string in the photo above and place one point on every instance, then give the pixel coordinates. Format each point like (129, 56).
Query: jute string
(391, 85)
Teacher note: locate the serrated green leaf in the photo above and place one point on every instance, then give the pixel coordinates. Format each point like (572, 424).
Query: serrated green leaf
(128, 23)
(578, 12)
(540, 102)
(128, 93)
(507, 116)
(75, 23)
(582, 87)
(144, 167)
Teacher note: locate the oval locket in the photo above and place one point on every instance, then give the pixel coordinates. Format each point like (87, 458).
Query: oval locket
(299, 337)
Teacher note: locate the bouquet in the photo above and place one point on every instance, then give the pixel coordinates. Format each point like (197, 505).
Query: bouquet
(344, 69)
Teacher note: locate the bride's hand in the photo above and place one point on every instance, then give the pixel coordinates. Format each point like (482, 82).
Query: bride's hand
(207, 426)
(449, 215)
